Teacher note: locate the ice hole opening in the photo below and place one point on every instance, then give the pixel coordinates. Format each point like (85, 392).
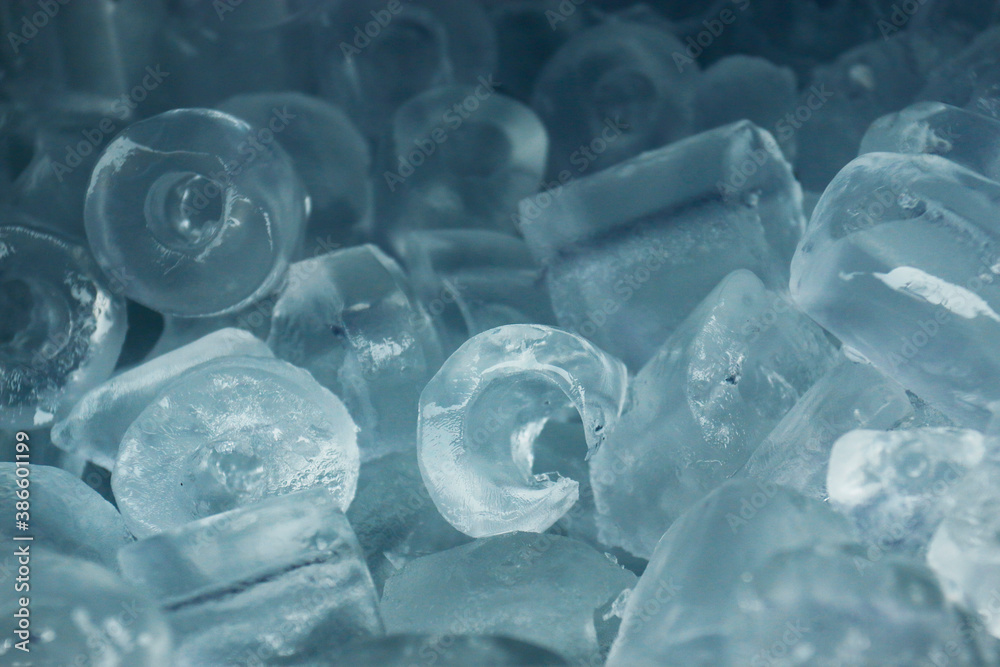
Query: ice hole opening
(185, 211)
(505, 421)
(36, 323)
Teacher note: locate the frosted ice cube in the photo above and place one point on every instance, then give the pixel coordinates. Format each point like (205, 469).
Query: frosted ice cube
(329, 154)
(95, 427)
(194, 213)
(65, 514)
(80, 614)
(968, 79)
(541, 589)
(230, 433)
(631, 251)
(482, 412)
(682, 610)
(966, 138)
(374, 58)
(897, 485)
(278, 582)
(62, 331)
(612, 92)
(448, 651)
(471, 281)
(900, 262)
(850, 396)
(701, 406)
(349, 318)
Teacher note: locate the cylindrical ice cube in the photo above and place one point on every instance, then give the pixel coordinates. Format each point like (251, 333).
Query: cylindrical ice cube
(229, 433)
(194, 212)
(480, 416)
(62, 329)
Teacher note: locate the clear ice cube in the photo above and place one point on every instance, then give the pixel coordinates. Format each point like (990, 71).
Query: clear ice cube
(482, 412)
(282, 581)
(349, 318)
(631, 251)
(541, 589)
(62, 330)
(701, 406)
(849, 396)
(900, 262)
(193, 214)
(95, 426)
(230, 433)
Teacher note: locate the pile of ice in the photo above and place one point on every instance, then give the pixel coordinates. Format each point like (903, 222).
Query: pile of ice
(506, 333)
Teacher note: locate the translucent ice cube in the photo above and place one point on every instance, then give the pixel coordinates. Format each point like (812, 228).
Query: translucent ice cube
(900, 262)
(482, 412)
(849, 396)
(66, 515)
(471, 281)
(612, 92)
(81, 614)
(701, 406)
(95, 427)
(542, 589)
(968, 79)
(348, 317)
(62, 330)
(329, 154)
(681, 612)
(229, 433)
(897, 485)
(373, 57)
(968, 138)
(459, 156)
(631, 251)
(279, 582)
(194, 213)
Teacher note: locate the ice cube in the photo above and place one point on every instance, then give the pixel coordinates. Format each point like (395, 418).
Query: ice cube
(349, 318)
(682, 610)
(968, 79)
(967, 138)
(80, 614)
(277, 582)
(193, 214)
(701, 406)
(62, 330)
(849, 396)
(541, 589)
(373, 58)
(230, 433)
(965, 548)
(897, 485)
(459, 157)
(471, 281)
(95, 427)
(329, 154)
(65, 515)
(612, 92)
(482, 412)
(900, 262)
(631, 251)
